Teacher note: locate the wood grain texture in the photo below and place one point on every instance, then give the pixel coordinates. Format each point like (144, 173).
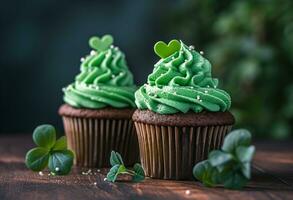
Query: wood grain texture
(272, 179)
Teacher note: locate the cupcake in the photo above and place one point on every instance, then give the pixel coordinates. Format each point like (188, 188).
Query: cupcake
(99, 105)
(181, 115)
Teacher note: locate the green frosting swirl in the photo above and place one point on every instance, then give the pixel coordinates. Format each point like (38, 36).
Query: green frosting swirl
(104, 80)
(182, 82)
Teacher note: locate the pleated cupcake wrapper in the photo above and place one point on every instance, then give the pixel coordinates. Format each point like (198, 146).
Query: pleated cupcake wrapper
(170, 152)
(92, 140)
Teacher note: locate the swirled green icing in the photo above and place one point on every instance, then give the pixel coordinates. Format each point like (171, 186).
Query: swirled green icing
(182, 82)
(104, 80)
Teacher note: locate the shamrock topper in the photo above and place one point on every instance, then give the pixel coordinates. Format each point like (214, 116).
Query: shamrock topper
(163, 50)
(101, 44)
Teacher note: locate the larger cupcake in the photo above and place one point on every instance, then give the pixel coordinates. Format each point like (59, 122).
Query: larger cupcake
(99, 106)
(182, 114)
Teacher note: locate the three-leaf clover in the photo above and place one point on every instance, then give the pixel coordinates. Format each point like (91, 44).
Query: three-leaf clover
(230, 166)
(118, 168)
(50, 152)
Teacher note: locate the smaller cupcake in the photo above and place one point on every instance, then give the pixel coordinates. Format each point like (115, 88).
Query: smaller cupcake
(181, 115)
(99, 106)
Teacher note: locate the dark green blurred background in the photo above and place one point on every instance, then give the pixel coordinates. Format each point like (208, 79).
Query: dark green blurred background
(249, 43)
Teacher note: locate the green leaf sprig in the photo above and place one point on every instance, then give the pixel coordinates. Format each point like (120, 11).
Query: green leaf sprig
(50, 152)
(230, 166)
(118, 168)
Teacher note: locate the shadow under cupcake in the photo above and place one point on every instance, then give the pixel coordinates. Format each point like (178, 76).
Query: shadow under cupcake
(181, 115)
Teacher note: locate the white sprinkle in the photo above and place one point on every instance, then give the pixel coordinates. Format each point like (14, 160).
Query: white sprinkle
(41, 173)
(49, 174)
(64, 89)
(200, 100)
(93, 52)
(116, 48)
(105, 179)
(215, 86)
(173, 57)
(206, 91)
(208, 86)
(121, 73)
(187, 192)
(112, 46)
(82, 59)
(95, 183)
(198, 97)
(113, 76)
(201, 52)
(57, 169)
(98, 170)
(191, 47)
(156, 95)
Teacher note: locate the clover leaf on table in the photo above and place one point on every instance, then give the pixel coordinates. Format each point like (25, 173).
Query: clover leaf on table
(139, 174)
(50, 152)
(206, 173)
(118, 168)
(116, 159)
(230, 166)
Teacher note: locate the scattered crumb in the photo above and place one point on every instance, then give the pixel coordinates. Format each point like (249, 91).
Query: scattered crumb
(98, 170)
(187, 192)
(105, 179)
(139, 191)
(95, 183)
(41, 173)
(89, 172)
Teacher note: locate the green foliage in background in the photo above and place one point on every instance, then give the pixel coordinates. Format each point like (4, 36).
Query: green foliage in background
(250, 45)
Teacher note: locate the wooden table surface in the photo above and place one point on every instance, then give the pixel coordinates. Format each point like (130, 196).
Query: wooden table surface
(272, 178)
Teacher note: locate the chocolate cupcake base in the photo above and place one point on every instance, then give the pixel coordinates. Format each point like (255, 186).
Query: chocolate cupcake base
(93, 134)
(170, 145)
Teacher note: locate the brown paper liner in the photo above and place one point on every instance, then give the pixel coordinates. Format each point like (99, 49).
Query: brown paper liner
(170, 152)
(93, 139)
